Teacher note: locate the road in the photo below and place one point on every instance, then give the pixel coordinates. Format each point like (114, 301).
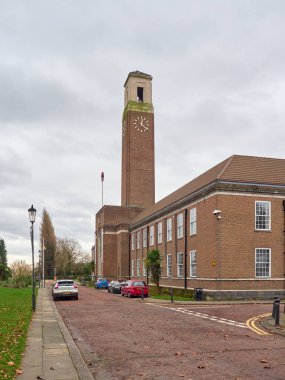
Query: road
(130, 339)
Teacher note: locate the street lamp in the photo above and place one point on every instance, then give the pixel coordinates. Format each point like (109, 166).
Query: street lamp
(32, 215)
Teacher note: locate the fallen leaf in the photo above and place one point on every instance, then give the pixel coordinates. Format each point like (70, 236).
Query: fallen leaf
(19, 371)
(10, 364)
(263, 361)
(267, 366)
(211, 356)
(52, 368)
(180, 375)
(178, 353)
(200, 366)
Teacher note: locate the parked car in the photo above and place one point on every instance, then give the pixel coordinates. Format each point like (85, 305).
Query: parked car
(115, 286)
(101, 283)
(64, 288)
(134, 289)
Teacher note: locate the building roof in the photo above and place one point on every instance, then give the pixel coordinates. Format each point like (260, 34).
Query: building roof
(235, 169)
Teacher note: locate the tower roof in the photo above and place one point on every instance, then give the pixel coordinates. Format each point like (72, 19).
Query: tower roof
(138, 74)
(235, 169)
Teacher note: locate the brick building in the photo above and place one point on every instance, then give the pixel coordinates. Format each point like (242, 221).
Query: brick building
(223, 231)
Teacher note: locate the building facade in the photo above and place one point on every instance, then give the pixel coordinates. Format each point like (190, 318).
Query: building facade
(223, 231)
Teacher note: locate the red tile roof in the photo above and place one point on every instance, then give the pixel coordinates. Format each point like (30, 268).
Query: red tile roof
(241, 169)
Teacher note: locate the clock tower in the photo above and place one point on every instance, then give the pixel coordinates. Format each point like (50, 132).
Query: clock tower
(138, 187)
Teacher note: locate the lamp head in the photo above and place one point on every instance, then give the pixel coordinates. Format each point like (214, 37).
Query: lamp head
(32, 214)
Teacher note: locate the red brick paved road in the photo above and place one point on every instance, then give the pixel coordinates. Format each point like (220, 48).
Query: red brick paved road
(124, 339)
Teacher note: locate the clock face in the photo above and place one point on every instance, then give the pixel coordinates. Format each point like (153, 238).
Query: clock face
(141, 124)
(124, 127)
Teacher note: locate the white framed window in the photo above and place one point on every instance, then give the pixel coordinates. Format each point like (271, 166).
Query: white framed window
(262, 262)
(179, 226)
(144, 237)
(159, 233)
(144, 269)
(133, 242)
(138, 267)
(263, 215)
(193, 221)
(179, 264)
(169, 229)
(169, 265)
(132, 268)
(193, 264)
(151, 235)
(138, 240)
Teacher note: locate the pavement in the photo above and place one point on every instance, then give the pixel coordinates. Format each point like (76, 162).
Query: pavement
(51, 353)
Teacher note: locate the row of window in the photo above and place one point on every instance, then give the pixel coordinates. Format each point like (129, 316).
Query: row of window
(262, 222)
(169, 229)
(262, 264)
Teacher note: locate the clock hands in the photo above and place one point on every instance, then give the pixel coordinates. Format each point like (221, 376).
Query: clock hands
(142, 125)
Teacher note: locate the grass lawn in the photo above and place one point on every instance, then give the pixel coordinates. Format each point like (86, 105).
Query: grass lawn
(15, 316)
(167, 297)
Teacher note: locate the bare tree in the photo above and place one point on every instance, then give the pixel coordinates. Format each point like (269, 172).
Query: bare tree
(69, 257)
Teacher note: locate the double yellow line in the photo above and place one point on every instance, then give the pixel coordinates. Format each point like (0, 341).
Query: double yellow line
(251, 324)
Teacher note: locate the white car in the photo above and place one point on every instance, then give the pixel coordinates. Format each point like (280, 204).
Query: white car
(64, 288)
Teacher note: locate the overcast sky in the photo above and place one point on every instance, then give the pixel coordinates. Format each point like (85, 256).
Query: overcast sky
(218, 70)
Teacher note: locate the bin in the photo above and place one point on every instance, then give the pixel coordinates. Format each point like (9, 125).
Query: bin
(198, 293)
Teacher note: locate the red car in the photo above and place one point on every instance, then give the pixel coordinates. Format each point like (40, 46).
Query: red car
(134, 289)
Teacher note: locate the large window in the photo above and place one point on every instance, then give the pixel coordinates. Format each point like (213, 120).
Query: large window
(151, 235)
(262, 215)
(133, 242)
(169, 265)
(179, 226)
(144, 237)
(144, 269)
(262, 262)
(138, 240)
(193, 221)
(138, 267)
(169, 229)
(159, 233)
(133, 268)
(193, 264)
(179, 264)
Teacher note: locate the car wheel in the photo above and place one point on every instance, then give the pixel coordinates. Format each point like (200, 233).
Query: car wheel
(54, 298)
(109, 290)
(122, 294)
(129, 295)
(76, 298)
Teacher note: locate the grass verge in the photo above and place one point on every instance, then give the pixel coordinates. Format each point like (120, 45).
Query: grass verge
(15, 316)
(167, 297)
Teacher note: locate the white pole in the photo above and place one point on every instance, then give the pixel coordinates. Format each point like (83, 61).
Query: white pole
(43, 250)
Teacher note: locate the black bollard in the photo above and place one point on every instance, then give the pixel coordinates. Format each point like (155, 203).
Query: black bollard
(171, 294)
(274, 307)
(277, 312)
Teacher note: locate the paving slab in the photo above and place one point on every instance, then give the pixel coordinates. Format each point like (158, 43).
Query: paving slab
(51, 354)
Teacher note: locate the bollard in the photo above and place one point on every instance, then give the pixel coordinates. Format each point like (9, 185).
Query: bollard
(171, 294)
(274, 307)
(277, 312)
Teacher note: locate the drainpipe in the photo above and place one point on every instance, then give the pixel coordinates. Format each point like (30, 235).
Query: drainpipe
(284, 238)
(185, 249)
(130, 247)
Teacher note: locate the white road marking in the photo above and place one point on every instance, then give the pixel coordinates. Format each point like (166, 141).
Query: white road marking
(205, 316)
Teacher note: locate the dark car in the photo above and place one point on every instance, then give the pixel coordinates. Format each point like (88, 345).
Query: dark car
(115, 286)
(101, 283)
(135, 289)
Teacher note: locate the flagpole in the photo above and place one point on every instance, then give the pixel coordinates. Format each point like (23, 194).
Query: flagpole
(102, 180)
(43, 250)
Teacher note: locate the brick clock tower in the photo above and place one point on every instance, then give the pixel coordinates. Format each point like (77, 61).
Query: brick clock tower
(138, 182)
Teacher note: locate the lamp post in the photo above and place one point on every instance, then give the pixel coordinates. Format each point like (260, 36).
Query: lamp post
(32, 215)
